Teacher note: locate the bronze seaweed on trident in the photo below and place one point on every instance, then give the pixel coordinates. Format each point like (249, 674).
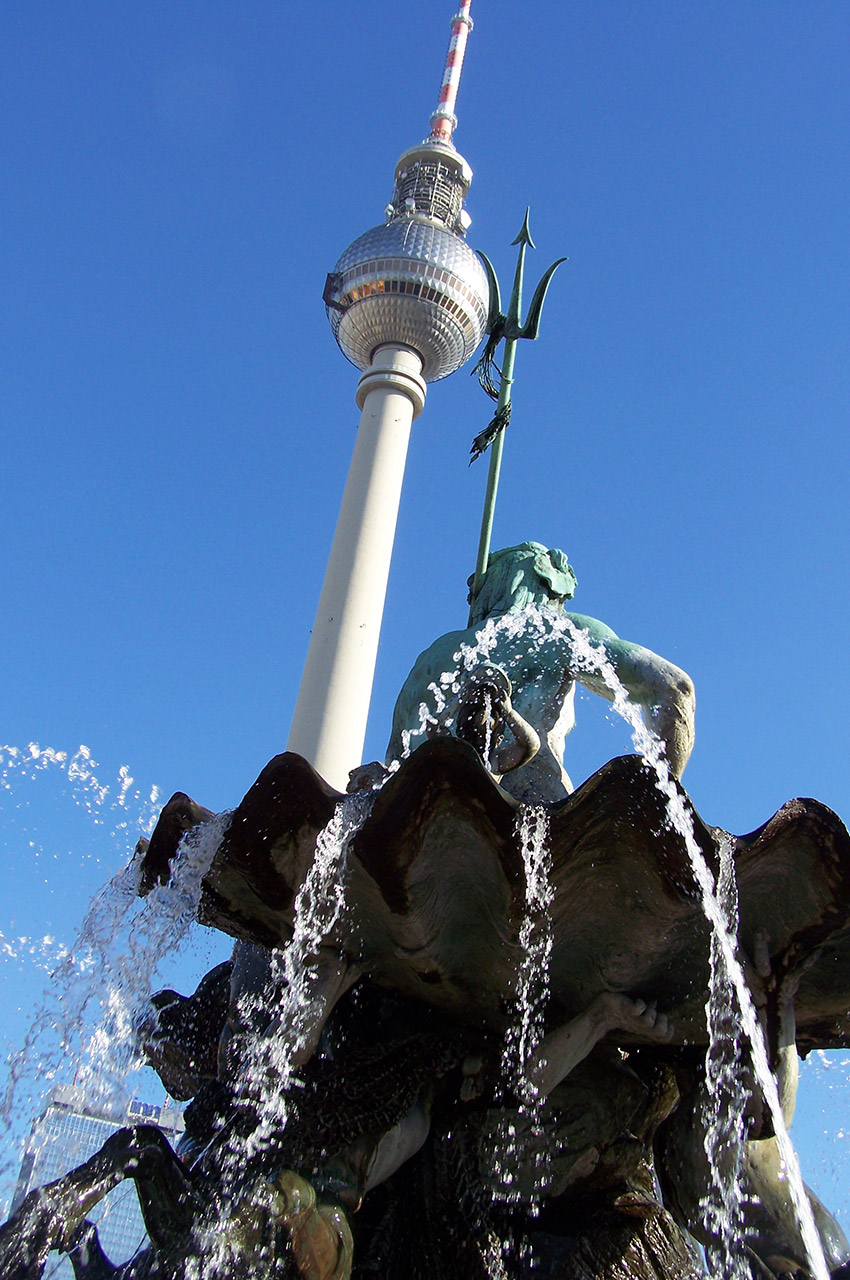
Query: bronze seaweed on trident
(508, 328)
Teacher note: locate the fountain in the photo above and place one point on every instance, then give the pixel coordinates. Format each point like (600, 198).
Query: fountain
(380, 1073)
(464, 1030)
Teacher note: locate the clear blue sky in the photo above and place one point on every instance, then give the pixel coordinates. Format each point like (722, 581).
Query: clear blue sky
(177, 421)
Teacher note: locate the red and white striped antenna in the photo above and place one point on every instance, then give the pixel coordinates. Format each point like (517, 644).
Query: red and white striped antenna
(444, 120)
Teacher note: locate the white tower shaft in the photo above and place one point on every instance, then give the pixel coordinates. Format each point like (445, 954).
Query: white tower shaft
(329, 723)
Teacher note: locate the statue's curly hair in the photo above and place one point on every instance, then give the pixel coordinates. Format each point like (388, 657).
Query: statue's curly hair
(510, 579)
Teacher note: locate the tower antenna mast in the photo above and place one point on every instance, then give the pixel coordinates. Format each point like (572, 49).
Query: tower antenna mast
(444, 121)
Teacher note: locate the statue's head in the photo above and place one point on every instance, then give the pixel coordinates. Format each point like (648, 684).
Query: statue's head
(519, 576)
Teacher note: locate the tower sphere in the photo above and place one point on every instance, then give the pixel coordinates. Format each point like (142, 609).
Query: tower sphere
(415, 280)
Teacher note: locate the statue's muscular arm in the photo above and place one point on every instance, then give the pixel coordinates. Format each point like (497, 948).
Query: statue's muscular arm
(664, 693)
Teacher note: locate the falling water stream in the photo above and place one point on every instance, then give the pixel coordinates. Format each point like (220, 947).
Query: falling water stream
(120, 944)
(268, 1071)
(725, 1095)
(94, 972)
(519, 1138)
(524, 1136)
(592, 657)
(319, 904)
(652, 750)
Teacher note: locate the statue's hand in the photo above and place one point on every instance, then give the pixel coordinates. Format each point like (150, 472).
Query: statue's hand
(789, 983)
(367, 777)
(520, 747)
(500, 703)
(766, 974)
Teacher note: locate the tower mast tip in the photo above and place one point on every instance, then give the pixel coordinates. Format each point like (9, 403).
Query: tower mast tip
(444, 121)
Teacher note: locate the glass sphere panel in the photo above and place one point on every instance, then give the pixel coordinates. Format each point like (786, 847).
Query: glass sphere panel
(415, 283)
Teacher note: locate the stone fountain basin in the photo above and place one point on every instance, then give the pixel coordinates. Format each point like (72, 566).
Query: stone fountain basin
(435, 890)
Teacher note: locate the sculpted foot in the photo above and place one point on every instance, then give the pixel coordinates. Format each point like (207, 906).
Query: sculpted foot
(322, 1243)
(622, 1013)
(563, 1049)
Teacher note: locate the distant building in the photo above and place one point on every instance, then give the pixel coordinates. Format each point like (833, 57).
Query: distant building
(65, 1134)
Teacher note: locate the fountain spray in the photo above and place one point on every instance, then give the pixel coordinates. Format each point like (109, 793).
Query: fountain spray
(408, 304)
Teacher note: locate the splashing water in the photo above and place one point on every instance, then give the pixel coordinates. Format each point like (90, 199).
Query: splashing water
(41, 953)
(726, 1097)
(492, 1255)
(107, 976)
(117, 807)
(121, 815)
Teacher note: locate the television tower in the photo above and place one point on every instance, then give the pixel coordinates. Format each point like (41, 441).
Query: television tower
(408, 304)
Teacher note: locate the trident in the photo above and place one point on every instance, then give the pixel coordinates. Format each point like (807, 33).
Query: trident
(508, 328)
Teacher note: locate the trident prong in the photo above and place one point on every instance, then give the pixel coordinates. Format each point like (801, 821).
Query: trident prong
(507, 328)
